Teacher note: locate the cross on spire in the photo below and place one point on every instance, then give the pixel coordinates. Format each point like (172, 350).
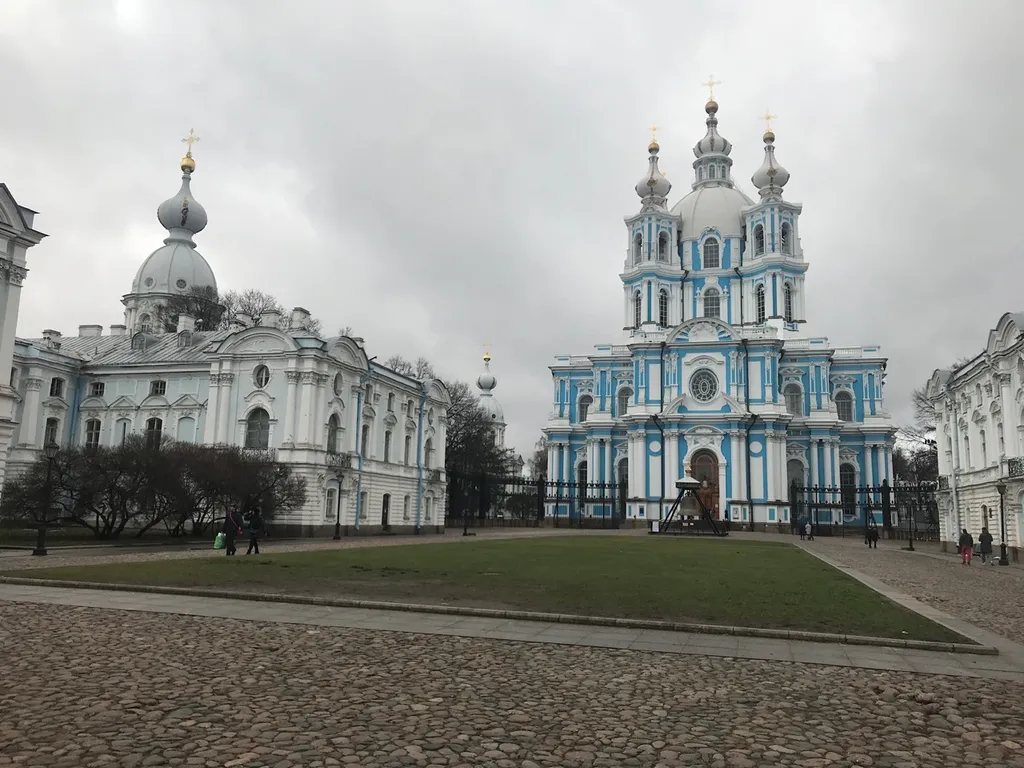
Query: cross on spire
(768, 117)
(190, 140)
(710, 84)
(654, 132)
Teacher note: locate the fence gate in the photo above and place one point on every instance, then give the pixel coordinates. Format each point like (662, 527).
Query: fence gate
(496, 501)
(901, 511)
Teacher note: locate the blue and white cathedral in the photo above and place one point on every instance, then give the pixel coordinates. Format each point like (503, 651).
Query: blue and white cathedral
(714, 374)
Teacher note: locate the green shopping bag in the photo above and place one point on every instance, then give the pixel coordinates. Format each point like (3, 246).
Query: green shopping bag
(218, 541)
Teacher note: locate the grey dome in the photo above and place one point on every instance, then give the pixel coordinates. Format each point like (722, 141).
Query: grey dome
(718, 206)
(174, 267)
(493, 410)
(181, 214)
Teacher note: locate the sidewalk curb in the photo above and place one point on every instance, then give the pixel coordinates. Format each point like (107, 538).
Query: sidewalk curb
(495, 613)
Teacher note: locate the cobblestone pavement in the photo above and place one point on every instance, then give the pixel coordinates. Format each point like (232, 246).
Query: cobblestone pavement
(15, 560)
(988, 596)
(86, 687)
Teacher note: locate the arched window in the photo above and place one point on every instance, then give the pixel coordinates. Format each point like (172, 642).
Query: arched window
(428, 453)
(408, 450)
(637, 309)
(663, 246)
(967, 451)
(333, 434)
(364, 440)
(145, 324)
(257, 430)
(387, 445)
(712, 254)
(92, 433)
(638, 248)
(584, 407)
(984, 448)
(844, 405)
(785, 238)
(331, 511)
(712, 172)
(663, 308)
(410, 408)
(406, 506)
(52, 432)
(625, 394)
(712, 303)
(760, 303)
(794, 399)
(154, 431)
(758, 240)
(848, 489)
(1001, 438)
(787, 302)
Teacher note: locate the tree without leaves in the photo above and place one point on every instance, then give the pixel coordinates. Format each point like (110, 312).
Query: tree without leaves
(254, 303)
(421, 370)
(202, 303)
(915, 466)
(924, 409)
(538, 461)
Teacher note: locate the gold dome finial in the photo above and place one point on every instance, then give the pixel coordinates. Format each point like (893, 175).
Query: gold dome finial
(769, 134)
(187, 163)
(654, 146)
(710, 83)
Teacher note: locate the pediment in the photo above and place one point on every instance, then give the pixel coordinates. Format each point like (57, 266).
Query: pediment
(410, 425)
(369, 412)
(93, 404)
(350, 354)
(703, 360)
(56, 404)
(701, 329)
(123, 402)
(258, 341)
(847, 454)
(259, 396)
(187, 401)
(390, 420)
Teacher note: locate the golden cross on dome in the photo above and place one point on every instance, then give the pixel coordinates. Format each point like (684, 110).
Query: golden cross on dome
(190, 140)
(487, 350)
(654, 132)
(710, 85)
(768, 117)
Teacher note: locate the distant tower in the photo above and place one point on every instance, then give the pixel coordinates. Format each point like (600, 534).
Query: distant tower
(486, 382)
(176, 268)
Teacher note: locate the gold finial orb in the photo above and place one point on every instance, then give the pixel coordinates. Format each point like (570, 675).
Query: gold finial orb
(711, 107)
(188, 164)
(769, 136)
(654, 146)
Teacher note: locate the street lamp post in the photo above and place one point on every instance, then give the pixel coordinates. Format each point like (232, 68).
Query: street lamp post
(50, 451)
(1003, 559)
(337, 519)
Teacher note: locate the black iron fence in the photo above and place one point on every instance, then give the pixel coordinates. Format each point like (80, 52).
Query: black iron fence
(488, 501)
(906, 511)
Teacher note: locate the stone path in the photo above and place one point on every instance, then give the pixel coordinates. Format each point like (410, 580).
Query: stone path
(991, 597)
(90, 687)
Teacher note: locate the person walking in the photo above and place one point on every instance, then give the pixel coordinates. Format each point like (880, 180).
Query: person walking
(966, 544)
(231, 530)
(873, 537)
(255, 531)
(985, 545)
(809, 530)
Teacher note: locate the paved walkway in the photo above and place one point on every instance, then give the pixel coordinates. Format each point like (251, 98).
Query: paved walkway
(832, 654)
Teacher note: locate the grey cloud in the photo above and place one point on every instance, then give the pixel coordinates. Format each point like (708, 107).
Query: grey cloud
(442, 174)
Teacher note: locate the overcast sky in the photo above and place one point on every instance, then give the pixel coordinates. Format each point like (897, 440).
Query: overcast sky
(447, 173)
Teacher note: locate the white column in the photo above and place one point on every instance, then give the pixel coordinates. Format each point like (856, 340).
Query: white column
(224, 403)
(1009, 408)
(30, 413)
(737, 461)
(319, 434)
(869, 478)
(813, 450)
(637, 471)
(289, 408)
(212, 400)
(306, 409)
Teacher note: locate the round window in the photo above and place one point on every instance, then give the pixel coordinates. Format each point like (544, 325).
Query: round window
(149, 282)
(181, 284)
(339, 383)
(704, 386)
(261, 376)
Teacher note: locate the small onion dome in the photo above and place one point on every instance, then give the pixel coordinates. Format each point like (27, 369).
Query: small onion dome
(771, 177)
(653, 183)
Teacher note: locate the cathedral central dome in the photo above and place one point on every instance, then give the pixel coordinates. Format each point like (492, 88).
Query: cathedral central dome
(712, 206)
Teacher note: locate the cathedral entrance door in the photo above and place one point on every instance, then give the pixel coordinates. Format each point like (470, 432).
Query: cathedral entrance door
(704, 467)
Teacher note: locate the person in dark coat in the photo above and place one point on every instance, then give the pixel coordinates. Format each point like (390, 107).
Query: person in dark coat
(255, 527)
(985, 545)
(966, 544)
(231, 530)
(873, 537)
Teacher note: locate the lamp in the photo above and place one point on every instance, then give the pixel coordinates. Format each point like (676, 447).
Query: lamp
(50, 451)
(1003, 559)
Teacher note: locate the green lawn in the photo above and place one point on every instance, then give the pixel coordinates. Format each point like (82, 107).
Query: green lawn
(755, 584)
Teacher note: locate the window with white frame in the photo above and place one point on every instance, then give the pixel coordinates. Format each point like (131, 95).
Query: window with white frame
(584, 407)
(844, 405)
(787, 302)
(794, 395)
(51, 433)
(625, 394)
(712, 303)
(428, 453)
(93, 427)
(637, 309)
(712, 254)
(408, 450)
(663, 308)
(785, 238)
(391, 402)
(331, 504)
(638, 248)
(1001, 438)
(983, 444)
(257, 430)
(387, 445)
(759, 240)
(96, 388)
(154, 432)
(333, 434)
(56, 387)
(364, 441)
(663, 246)
(759, 303)
(158, 388)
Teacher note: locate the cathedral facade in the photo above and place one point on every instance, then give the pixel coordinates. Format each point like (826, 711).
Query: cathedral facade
(369, 441)
(713, 374)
